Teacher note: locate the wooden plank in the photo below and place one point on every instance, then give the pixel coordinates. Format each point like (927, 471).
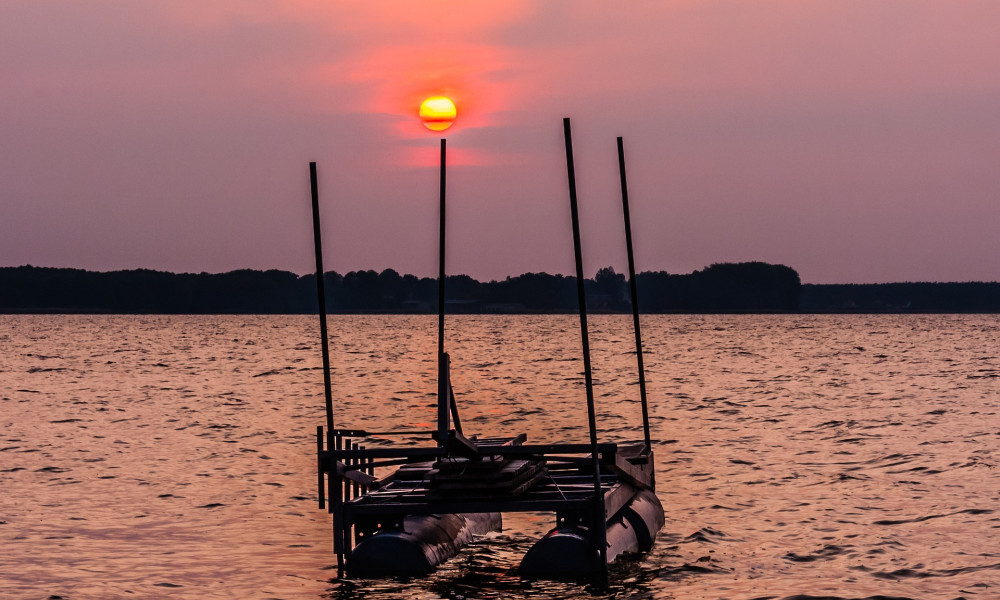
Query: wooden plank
(473, 473)
(454, 485)
(487, 492)
(639, 475)
(617, 497)
(519, 504)
(607, 450)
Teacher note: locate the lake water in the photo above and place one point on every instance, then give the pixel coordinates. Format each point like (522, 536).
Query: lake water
(805, 457)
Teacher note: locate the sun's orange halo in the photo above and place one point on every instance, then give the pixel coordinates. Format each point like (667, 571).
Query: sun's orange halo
(438, 113)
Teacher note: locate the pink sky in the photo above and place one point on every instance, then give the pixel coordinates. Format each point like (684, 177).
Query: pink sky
(852, 141)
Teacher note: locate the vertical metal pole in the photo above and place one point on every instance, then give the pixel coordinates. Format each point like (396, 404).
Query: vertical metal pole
(321, 480)
(634, 295)
(441, 242)
(443, 368)
(337, 504)
(348, 465)
(321, 294)
(335, 501)
(600, 518)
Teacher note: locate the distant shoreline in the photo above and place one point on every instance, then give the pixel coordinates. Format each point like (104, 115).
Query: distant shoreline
(726, 288)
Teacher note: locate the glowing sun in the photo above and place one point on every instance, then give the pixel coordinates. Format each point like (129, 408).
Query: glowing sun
(437, 113)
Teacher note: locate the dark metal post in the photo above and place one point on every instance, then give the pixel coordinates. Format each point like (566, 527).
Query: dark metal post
(443, 384)
(321, 480)
(321, 294)
(634, 296)
(335, 500)
(348, 465)
(441, 242)
(600, 523)
(337, 508)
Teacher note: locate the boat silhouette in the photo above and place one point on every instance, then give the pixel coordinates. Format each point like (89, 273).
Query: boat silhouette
(404, 510)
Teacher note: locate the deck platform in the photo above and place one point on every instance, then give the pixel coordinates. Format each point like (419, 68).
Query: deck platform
(506, 476)
(425, 502)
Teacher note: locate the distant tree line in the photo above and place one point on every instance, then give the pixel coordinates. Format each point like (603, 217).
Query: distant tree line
(964, 297)
(751, 287)
(726, 287)
(38, 289)
(740, 287)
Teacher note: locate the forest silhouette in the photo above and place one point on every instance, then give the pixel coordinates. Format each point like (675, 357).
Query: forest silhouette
(749, 287)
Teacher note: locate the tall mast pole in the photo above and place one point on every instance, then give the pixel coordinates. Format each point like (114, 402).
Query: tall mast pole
(600, 518)
(634, 295)
(321, 297)
(334, 481)
(441, 242)
(444, 385)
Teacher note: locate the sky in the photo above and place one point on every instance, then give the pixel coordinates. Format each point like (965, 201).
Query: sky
(854, 141)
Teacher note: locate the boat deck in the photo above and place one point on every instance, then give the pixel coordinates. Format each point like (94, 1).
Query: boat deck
(506, 476)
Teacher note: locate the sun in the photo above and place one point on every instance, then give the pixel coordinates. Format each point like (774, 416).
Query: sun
(438, 113)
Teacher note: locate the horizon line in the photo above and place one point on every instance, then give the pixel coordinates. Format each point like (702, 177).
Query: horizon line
(434, 277)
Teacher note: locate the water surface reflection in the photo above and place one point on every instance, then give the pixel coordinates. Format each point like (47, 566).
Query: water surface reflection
(799, 456)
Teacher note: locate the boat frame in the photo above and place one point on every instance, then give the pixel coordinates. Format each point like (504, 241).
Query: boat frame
(586, 485)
